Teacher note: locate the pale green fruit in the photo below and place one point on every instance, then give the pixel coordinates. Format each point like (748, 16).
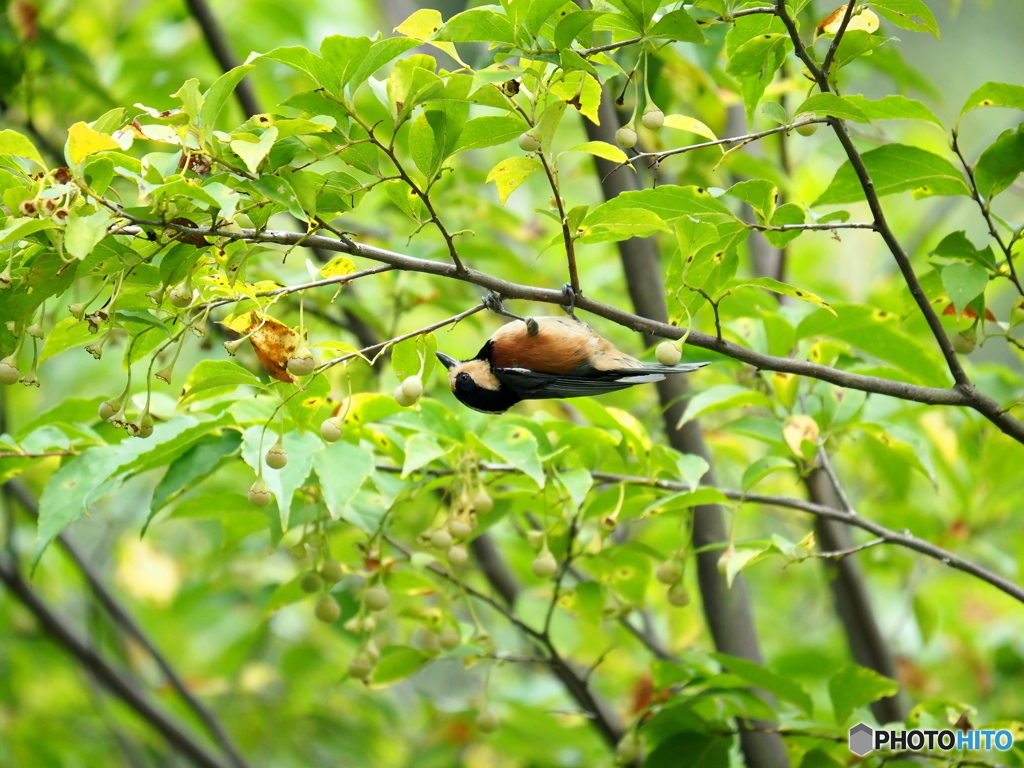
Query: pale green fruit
(668, 353)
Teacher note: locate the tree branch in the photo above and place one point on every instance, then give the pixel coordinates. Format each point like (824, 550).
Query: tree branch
(110, 678)
(961, 395)
(124, 619)
(874, 203)
(903, 538)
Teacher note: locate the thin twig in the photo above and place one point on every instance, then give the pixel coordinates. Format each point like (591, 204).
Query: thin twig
(567, 236)
(339, 280)
(903, 539)
(963, 383)
(986, 213)
(811, 227)
(382, 345)
(830, 55)
(658, 157)
(839, 554)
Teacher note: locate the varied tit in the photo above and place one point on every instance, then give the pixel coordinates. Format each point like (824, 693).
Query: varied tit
(547, 357)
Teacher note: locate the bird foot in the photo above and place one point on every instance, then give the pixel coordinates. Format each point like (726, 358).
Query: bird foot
(570, 299)
(493, 302)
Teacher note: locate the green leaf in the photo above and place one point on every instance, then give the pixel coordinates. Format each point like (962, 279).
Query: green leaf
(760, 56)
(509, 174)
(604, 225)
(64, 499)
(83, 233)
(415, 356)
(761, 468)
(740, 558)
(478, 25)
(720, 398)
(342, 467)
(701, 750)
(691, 468)
(420, 450)
(1001, 163)
(489, 131)
(964, 283)
(253, 150)
(517, 446)
(381, 52)
(671, 202)
(577, 483)
(641, 12)
(397, 662)
(877, 332)
(13, 143)
(283, 483)
(775, 684)
(684, 501)
(213, 377)
(574, 26)
(775, 112)
(995, 95)
(219, 93)
(678, 25)
(854, 687)
(308, 63)
(69, 332)
(789, 213)
(955, 245)
(788, 290)
(19, 229)
(759, 194)
(896, 168)
(198, 462)
(540, 11)
(893, 107)
(914, 15)
(830, 105)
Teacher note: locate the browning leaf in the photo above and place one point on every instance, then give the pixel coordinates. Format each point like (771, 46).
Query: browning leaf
(274, 343)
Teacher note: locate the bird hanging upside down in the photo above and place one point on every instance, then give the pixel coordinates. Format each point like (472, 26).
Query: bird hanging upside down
(547, 357)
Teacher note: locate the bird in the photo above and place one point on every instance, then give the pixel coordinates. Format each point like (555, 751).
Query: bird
(539, 358)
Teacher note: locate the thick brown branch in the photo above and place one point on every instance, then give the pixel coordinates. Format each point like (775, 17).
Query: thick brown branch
(124, 619)
(961, 395)
(109, 677)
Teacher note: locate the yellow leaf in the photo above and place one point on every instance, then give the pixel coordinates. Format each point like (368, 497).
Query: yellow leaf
(509, 174)
(422, 26)
(84, 141)
(684, 123)
(863, 19)
(797, 429)
(337, 267)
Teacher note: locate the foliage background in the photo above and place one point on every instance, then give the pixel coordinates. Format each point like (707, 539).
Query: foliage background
(201, 584)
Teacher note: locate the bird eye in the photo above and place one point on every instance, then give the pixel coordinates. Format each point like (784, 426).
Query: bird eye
(464, 378)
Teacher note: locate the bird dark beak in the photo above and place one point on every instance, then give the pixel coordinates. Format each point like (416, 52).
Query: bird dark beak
(447, 361)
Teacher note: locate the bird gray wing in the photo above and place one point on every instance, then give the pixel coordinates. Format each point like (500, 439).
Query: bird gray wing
(533, 385)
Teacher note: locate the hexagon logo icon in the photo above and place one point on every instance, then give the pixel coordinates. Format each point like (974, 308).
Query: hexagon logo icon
(861, 739)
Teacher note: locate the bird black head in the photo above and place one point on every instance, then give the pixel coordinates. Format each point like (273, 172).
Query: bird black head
(475, 385)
